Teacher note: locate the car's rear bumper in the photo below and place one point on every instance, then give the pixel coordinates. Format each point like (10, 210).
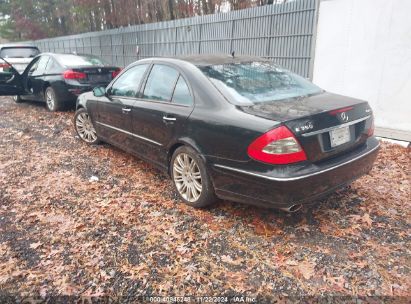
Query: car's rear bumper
(69, 92)
(73, 91)
(284, 187)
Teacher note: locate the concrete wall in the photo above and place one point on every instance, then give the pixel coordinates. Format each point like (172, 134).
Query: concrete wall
(363, 50)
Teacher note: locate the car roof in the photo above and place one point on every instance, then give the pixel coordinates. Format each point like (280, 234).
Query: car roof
(216, 59)
(59, 55)
(68, 54)
(22, 45)
(207, 59)
(198, 60)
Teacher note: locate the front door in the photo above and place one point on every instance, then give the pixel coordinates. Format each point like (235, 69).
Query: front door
(35, 78)
(11, 82)
(160, 112)
(113, 121)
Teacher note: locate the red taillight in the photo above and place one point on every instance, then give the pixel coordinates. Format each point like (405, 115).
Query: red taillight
(278, 146)
(115, 73)
(70, 74)
(5, 65)
(371, 128)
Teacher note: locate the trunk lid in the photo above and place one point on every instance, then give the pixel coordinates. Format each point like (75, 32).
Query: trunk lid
(96, 75)
(325, 124)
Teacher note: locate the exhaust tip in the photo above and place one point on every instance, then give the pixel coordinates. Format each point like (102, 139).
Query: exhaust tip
(293, 208)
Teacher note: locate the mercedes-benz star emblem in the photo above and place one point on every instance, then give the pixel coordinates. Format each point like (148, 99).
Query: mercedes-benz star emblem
(344, 116)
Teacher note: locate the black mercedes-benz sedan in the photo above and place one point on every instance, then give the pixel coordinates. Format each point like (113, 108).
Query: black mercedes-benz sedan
(241, 129)
(58, 79)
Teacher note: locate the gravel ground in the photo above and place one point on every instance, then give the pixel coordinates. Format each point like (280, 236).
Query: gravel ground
(63, 232)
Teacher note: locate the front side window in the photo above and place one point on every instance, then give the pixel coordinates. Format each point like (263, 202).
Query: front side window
(182, 93)
(129, 82)
(257, 82)
(160, 83)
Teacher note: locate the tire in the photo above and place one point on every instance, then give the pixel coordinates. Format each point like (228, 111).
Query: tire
(84, 127)
(52, 102)
(17, 99)
(191, 179)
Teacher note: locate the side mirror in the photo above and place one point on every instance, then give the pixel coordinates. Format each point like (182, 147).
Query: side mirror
(99, 91)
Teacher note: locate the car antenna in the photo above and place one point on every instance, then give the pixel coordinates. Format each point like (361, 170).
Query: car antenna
(232, 54)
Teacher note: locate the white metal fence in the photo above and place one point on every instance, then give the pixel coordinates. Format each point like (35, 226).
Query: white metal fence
(282, 32)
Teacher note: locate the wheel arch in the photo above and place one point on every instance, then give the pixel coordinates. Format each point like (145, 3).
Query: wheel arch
(81, 102)
(179, 143)
(45, 86)
(80, 106)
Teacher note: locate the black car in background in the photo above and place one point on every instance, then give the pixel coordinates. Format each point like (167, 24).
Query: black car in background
(58, 79)
(241, 129)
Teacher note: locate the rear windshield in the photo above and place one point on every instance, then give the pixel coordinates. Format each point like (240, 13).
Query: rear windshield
(257, 82)
(19, 52)
(71, 60)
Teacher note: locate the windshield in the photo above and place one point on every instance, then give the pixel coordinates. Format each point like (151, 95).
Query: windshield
(81, 60)
(257, 82)
(19, 52)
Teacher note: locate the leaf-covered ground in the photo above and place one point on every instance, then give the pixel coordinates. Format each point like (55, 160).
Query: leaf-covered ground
(126, 234)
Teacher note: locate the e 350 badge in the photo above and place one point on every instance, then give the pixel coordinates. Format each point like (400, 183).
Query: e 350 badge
(305, 127)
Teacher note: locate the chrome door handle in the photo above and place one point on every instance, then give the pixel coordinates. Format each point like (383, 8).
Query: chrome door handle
(167, 118)
(125, 110)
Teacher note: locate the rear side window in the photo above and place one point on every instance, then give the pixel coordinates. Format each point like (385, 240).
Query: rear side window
(182, 93)
(40, 66)
(160, 83)
(53, 66)
(129, 82)
(19, 52)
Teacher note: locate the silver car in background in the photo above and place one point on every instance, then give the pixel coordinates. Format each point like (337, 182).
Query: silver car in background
(17, 55)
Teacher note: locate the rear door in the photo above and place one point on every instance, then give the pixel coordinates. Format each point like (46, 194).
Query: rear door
(161, 112)
(113, 120)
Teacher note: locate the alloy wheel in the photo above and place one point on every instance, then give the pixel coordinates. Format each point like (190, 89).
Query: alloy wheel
(187, 177)
(85, 128)
(50, 99)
